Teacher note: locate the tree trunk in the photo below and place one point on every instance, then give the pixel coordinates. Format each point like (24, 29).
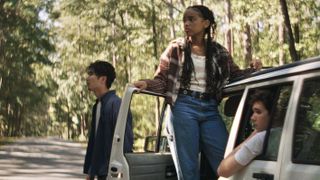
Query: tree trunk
(114, 58)
(183, 3)
(69, 120)
(2, 54)
(172, 22)
(9, 118)
(281, 43)
(18, 119)
(79, 35)
(296, 30)
(247, 45)
(292, 49)
(2, 127)
(82, 120)
(128, 56)
(228, 35)
(154, 31)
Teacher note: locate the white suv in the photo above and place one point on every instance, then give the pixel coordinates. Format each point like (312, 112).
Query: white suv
(295, 156)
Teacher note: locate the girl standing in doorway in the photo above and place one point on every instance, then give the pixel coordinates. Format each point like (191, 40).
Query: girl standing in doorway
(192, 73)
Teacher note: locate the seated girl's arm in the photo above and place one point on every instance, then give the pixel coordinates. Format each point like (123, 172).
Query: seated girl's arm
(233, 162)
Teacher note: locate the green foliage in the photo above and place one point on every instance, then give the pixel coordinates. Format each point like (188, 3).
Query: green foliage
(145, 118)
(24, 42)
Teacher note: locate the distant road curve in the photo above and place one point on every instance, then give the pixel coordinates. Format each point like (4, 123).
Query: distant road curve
(42, 158)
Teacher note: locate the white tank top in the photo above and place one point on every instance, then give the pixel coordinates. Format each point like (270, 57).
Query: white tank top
(198, 77)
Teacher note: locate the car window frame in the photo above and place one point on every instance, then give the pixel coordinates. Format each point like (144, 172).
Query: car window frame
(258, 165)
(302, 82)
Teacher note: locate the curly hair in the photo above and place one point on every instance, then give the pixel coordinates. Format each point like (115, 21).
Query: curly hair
(188, 66)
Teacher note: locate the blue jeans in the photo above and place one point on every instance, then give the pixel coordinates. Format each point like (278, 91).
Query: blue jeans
(198, 126)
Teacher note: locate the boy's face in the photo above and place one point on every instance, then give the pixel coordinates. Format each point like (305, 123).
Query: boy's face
(260, 117)
(95, 82)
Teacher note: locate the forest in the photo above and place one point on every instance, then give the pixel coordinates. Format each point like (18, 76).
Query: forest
(46, 45)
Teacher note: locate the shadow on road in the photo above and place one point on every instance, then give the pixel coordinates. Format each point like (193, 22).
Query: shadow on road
(41, 158)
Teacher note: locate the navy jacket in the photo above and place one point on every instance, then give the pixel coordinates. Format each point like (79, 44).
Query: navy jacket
(99, 147)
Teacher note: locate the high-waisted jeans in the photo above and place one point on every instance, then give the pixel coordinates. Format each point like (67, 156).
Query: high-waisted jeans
(198, 126)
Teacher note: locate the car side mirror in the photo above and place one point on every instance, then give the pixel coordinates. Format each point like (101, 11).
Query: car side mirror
(150, 144)
(231, 105)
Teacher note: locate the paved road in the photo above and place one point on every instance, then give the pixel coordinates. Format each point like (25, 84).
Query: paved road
(43, 159)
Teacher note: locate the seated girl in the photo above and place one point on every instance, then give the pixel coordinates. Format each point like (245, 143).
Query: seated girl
(243, 154)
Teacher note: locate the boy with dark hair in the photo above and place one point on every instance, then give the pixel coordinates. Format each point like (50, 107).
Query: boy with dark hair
(105, 111)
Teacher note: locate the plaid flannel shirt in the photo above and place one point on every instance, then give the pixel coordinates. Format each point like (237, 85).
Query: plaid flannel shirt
(166, 78)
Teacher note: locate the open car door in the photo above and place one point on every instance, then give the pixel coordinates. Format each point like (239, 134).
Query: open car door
(151, 158)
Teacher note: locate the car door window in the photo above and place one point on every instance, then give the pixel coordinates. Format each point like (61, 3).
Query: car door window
(151, 158)
(281, 95)
(272, 140)
(306, 146)
(149, 133)
(228, 107)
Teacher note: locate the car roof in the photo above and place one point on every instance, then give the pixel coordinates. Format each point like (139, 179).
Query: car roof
(297, 67)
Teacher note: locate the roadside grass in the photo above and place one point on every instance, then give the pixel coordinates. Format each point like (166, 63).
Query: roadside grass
(10, 140)
(6, 140)
(82, 142)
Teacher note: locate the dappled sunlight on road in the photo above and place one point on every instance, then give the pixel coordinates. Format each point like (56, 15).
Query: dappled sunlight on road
(41, 158)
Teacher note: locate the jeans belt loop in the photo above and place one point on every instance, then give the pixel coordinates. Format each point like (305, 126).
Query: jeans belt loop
(185, 92)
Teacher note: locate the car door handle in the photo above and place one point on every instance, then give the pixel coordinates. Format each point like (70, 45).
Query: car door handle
(116, 170)
(263, 176)
(170, 172)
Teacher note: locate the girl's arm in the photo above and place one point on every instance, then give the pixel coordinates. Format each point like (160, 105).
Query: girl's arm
(230, 165)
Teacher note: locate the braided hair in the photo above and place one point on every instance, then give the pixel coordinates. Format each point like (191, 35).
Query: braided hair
(188, 66)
